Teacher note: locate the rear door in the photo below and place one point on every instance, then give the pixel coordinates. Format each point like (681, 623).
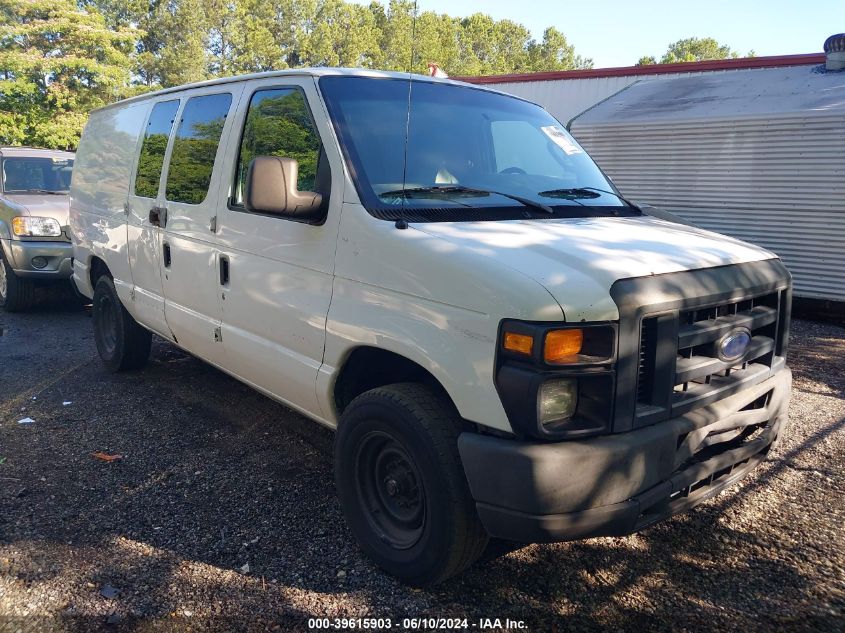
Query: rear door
(144, 203)
(193, 200)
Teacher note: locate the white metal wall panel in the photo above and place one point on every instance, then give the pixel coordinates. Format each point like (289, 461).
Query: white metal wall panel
(567, 98)
(778, 182)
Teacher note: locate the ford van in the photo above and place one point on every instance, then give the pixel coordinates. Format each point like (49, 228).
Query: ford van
(505, 345)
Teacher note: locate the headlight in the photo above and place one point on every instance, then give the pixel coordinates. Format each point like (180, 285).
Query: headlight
(25, 226)
(557, 381)
(557, 400)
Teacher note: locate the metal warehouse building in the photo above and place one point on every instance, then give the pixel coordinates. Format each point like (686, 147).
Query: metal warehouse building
(751, 148)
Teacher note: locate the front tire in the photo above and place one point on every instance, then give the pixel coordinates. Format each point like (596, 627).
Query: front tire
(16, 293)
(122, 343)
(401, 484)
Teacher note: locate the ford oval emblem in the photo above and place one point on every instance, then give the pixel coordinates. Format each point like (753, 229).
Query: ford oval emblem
(733, 345)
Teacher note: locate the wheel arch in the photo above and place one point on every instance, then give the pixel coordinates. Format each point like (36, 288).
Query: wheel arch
(366, 367)
(97, 267)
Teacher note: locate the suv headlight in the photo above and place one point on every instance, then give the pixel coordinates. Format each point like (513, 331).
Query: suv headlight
(556, 381)
(26, 226)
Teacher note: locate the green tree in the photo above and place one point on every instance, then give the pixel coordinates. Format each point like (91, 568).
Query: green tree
(344, 34)
(397, 35)
(646, 60)
(117, 13)
(555, 53)
(255, 37)
(58, 62)
(437, 42)
(175, 46)
(696, 49)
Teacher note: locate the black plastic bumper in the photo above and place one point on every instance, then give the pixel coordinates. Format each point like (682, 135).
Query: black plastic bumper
(618, 484)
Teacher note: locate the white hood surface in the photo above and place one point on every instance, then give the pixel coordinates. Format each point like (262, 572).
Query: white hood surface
(577, 260)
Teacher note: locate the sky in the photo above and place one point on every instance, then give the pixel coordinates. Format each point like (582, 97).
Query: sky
(619, 32)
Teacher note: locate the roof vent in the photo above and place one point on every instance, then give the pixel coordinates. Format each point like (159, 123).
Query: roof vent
(834, 48)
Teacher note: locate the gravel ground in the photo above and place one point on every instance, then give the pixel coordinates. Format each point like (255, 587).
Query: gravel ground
(222, 514)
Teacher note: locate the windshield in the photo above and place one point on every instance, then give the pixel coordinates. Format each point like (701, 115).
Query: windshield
(28, 174)
(471, 153)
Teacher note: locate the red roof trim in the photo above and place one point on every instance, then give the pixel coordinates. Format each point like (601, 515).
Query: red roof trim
(655, 69)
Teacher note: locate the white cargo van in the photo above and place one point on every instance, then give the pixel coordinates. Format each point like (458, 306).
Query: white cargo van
(505, 345)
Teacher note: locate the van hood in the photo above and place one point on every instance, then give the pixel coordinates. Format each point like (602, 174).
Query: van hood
(578, 260)
(41, 205)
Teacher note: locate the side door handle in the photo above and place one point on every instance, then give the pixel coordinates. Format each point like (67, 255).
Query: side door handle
(158, 216)
(224, 270)
(166, 254)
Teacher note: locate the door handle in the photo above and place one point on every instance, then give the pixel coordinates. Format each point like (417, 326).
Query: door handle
(166, 253)
(158, 216)
(224, 270)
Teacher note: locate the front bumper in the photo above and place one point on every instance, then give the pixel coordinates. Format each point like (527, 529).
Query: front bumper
(58, 254)
(618, 484)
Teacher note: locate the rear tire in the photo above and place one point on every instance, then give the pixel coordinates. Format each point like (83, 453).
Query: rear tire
(122, 343)
(402, 486)
(16, 293)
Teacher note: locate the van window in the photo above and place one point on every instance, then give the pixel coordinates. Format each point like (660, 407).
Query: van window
(278, 123)
(195, 148)
(152, 150)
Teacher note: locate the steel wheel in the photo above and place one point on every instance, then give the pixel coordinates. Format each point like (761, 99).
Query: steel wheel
(402, 486)
(106, 330)
(121, 341)
(391, 490)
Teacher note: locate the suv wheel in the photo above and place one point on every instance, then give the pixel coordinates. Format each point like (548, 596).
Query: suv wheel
(401, 484)
(16, 293)
(121, 341)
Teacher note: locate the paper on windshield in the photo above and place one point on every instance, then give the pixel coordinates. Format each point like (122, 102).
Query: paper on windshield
(561, 139)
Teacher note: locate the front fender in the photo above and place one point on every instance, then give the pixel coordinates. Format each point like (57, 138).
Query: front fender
(455, 345)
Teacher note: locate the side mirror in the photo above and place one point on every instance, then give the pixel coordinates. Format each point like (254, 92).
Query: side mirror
(271, 188)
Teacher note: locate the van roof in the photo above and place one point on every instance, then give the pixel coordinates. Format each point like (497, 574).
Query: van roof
(310, 72)
(34, 152)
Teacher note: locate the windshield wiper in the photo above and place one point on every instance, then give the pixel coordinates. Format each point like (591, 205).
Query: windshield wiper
(447, 189)
(586, 192)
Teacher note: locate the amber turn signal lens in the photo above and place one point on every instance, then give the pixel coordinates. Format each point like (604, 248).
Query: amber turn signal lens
(561, 344)
(519, 343)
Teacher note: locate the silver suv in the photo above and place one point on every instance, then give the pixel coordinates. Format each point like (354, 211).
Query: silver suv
(34, 239)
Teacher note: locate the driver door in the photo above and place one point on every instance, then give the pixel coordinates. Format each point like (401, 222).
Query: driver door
(276, 273)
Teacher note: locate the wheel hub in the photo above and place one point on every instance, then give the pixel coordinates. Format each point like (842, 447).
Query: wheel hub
(388, 484)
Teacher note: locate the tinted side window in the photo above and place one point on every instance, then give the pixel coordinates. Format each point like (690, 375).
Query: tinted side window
(152, 151)
(278, 123)
(28, 174)
(195, 147)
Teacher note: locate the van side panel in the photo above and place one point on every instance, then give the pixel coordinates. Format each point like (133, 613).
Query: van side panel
(101, 174)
